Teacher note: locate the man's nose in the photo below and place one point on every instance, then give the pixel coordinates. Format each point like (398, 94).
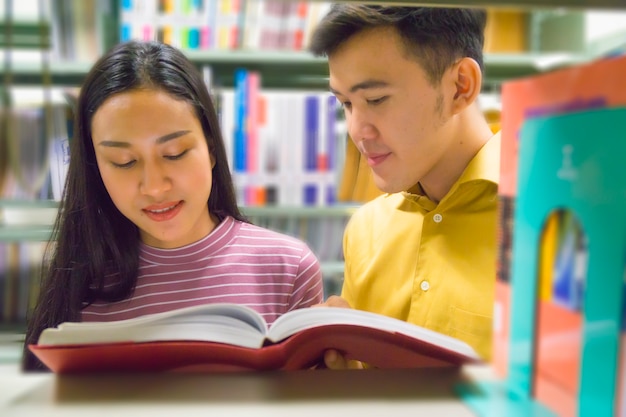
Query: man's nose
(360, 126)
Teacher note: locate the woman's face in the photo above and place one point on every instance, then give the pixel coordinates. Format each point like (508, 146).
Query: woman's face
(155, 164)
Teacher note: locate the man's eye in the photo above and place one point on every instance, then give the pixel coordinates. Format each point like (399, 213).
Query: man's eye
(128, 164)
(175, 157)
(346, 105)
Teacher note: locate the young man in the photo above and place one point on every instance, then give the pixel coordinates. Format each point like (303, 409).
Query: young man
(424, 252)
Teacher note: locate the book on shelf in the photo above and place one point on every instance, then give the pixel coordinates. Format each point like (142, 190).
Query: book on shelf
(231, 337)
(209, 25)
(282, 144)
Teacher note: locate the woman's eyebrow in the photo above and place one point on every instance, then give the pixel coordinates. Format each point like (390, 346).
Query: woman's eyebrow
(171, 136)
(160, 140)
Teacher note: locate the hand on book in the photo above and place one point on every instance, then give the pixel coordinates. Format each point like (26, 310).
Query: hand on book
(335, 360)
(332, 358)
(334, 301)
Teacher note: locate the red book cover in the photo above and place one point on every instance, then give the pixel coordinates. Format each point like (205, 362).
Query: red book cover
(297, 342)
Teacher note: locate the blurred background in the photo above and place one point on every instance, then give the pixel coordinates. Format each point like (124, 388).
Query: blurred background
(295, 169)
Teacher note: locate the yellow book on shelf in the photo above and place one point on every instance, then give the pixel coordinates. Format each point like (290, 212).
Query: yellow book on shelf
(357, 183)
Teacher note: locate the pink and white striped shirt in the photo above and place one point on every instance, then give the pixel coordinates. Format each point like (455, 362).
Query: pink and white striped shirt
(237, 263)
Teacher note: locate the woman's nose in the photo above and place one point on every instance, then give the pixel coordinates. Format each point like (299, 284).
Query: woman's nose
(154, 180)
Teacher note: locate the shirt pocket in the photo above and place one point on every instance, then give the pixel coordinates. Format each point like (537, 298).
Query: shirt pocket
(474, 329)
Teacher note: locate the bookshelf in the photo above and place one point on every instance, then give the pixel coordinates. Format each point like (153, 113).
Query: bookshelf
(34, 221)
(298, 69)
(515, 4)
(293, 69)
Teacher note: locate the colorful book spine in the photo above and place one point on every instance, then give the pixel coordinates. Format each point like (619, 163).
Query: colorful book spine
(241, 110)
(311, 132)
(253, 86)
(311, 145)
(284, 144)
(254, 192)
(331, 148)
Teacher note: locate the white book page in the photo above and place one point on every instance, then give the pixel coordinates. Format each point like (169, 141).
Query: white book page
(222, 322)
(298, 320)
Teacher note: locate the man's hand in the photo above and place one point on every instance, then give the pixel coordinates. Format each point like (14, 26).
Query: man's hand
(332, 358)
(335, 360)
(334, 301)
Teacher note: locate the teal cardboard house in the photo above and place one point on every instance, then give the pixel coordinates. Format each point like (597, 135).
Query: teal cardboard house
(574, 163)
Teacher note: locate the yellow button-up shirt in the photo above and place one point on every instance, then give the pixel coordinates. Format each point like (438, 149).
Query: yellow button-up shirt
(430, 264)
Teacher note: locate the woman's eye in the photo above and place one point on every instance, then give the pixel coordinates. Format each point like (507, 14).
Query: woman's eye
(175, 157)
(128, 164)
(376, 100)
(346, 105)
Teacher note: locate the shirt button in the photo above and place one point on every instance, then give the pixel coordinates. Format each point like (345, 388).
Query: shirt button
(424, 285)
(437, 218)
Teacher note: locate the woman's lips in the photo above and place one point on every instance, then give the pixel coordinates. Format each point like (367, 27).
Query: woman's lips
(163, 212)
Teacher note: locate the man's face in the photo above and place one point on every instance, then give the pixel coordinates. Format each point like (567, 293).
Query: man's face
(395, 116)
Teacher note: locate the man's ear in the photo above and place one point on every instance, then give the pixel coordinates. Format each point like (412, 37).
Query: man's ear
(468, 82)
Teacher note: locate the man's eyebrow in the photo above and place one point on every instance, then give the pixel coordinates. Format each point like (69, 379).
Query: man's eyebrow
(161, 140)
(367, 84)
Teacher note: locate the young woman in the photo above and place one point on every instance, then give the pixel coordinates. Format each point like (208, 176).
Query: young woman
(148, 221)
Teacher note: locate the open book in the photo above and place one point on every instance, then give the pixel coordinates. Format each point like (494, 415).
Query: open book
(226, 337)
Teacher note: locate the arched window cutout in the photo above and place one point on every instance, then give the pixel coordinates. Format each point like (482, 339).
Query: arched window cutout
(562, 274)
(620, 385)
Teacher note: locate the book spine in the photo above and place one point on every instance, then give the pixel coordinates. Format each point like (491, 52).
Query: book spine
(227, 123)
(331, 148)
(240, 158)
(252, 122)
(254, 191)
(321, 158)
(311, 142)
(270, 25)
(311, 132)
(227, 22)
(209, 35)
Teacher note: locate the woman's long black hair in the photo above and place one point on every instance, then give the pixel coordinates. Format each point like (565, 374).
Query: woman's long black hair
(91, 238)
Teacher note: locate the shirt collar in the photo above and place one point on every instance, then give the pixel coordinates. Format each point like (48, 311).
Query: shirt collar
(485, 165)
